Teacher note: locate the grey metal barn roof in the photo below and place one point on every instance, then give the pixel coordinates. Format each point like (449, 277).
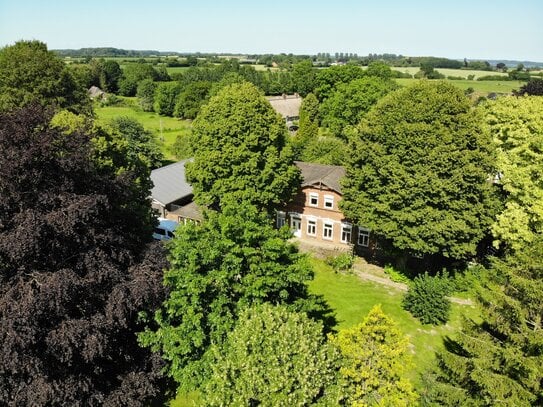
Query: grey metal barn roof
(170, 183)
(320, 174)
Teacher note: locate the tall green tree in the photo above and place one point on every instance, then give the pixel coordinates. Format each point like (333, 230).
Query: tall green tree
(350, 102)
(110, 76)
(303, 77)
(375, 361)
(417, 172)
(30, 73)
(76, 269)
(191, 99)
(499, 361)
(516, 126)
(309, 124)
(166, 96)
(140, 144)
(240, 151)
(133, 74)
(233, 260)
(324, 150)
(379, 69)
(328, 79)
(146, 94)
(273, 357)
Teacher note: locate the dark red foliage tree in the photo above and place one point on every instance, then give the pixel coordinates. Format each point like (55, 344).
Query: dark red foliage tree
(534, 87)
(76, 271)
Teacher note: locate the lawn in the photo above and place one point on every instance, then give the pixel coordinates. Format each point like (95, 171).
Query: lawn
(351, 298)
(165, 129)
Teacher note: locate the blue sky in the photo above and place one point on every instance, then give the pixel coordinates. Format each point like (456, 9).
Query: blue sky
(487, 29)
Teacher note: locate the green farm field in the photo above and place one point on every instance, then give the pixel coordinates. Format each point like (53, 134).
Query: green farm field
(165, 129)
(481, 87)
(464, 73)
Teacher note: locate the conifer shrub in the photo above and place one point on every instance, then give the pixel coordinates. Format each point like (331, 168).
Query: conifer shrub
(426, 299)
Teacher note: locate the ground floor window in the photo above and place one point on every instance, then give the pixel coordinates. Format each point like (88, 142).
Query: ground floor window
(281, 219)
(311, 227)
(363, 237)
(346, 232)
(328, 230)
(296, 224)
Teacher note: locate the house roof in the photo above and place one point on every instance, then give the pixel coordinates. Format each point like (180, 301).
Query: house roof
(320, 174)
(95, 91)
(286, 106)
(189, 211)
(169, 183)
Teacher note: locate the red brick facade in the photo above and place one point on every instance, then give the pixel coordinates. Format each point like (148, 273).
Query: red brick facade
(314, 214)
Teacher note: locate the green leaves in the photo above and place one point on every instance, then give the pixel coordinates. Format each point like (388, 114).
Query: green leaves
(350, 102)
(374, 364)
(231, 261)
(273, 357)
(240, 151)
(417, 173)
(30, 73)
(426, 299)
(500, 361)
(516, 125)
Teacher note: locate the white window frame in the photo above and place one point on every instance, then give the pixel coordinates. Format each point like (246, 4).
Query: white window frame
(315, 196)
(327, 226)
(311, 224)
(281, 219)
(363, 236)
(329, 201)
(295, 218)
(346, 230)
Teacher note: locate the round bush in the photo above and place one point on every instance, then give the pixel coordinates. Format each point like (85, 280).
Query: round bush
(426, 299)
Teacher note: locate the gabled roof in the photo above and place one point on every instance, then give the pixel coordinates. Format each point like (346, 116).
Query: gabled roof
(170, 183)
(321, 175)
(287, 106)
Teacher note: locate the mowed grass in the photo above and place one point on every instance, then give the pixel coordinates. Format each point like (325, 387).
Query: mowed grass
(352, 298)
(165, 129)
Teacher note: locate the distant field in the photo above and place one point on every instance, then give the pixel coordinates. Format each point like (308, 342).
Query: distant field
(171, 127)
(481, 87)
(176, 69)
(451, 72)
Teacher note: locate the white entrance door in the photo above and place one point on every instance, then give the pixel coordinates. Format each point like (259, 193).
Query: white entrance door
(296, 225)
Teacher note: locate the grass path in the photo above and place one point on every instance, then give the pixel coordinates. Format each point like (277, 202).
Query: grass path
(360, 270)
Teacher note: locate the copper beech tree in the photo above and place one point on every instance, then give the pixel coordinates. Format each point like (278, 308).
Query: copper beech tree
(76, 269)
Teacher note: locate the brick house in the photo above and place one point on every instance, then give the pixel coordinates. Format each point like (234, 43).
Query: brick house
(314, 215)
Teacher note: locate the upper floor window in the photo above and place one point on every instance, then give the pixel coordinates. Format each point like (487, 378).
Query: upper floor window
(313, 199)
(329, 201)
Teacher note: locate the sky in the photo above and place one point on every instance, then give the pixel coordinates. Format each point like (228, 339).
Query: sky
(476, 29)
